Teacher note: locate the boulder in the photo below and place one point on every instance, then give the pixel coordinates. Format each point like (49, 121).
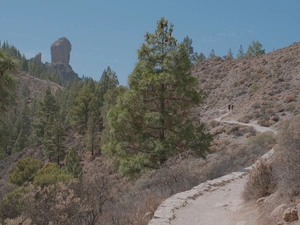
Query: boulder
(290, 215)
(278, 211)
(60, 51)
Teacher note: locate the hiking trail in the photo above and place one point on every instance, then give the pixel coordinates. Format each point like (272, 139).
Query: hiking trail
(218, 201)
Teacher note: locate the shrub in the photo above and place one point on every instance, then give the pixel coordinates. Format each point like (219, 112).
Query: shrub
(213, 123)
(12, 204)
(24, 171)
(290, 107)
(263, 140)
(289, 98)
(287, 158)
(261, 181)
(51, 174)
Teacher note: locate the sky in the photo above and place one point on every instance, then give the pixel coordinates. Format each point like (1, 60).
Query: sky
(109, 32)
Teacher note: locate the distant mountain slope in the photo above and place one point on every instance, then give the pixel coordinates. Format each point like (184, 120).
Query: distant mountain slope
(36, 85)
(262, 88)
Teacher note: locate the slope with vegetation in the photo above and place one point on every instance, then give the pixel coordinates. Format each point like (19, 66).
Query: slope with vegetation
(84, 133)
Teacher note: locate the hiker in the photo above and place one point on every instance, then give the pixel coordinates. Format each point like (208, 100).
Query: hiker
(229, 107)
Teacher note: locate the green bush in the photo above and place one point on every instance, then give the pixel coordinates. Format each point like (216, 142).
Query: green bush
(12, 204)
(24, 171)
(51, 174)
(263, 140)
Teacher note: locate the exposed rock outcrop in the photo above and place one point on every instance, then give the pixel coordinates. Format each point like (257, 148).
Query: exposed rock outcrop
(60, 51)
(60, 58)
(37, 58)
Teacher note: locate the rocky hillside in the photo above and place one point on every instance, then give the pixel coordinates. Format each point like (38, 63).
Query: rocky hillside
(263, 88)
(36, 85)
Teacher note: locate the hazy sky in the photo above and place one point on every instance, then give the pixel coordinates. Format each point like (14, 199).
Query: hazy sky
(109, 33)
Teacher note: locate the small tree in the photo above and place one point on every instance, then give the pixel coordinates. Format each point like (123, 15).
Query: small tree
(72, 165)
(230, 54)
(24, 171)
(240, 52)
(255, 49)
(53, 140)
(187, 42)
(7, 83)
(212, 54)
(91, 139)
(201, 57)
(50, 174)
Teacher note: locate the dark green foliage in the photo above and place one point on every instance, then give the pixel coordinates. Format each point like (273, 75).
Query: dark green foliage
(230, 54)
(24, 171)
(48, 108)
(84, 104)
(108, 81)
(241, 53)
(212, 54)
(7, 83)
(72, 165)
(51, 174)
(39, 70)
(201, 57)
(11, 51)
(190, 50)
(92, 134)
(21, 142)
(151, 122)
(255, 49)
(53, 140)
(12, 204)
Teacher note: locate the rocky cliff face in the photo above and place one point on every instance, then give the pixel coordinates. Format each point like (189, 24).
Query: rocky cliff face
(60, 59)
(60, 51)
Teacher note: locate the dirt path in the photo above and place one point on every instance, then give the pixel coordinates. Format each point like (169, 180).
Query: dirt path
(223, 206)
(213, 202)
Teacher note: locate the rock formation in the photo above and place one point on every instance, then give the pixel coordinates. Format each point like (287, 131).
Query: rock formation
(60, 59)
(37, 58)
(60, 51)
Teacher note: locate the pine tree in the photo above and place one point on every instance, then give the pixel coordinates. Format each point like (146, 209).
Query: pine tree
(201, 57)
(21, 142)
(190, 50)
(151, 122)
(84, 104)
(108, 80)
(48, 108)
(7, 83)
(230, 54)
(240, 53)
(72, 165)
(92, 135)
(53, 140)
(212, 54)
(255, 49)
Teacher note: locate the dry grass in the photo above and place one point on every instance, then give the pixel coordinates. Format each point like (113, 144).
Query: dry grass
(289, 98)
(261, 181)
(287, 158)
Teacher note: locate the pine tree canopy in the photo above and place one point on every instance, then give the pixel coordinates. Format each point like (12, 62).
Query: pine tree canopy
(151, 121)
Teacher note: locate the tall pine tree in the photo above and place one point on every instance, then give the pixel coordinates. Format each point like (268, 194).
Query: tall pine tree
(151, 122)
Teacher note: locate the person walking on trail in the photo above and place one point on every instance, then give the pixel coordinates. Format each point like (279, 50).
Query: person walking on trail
(229, 107)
